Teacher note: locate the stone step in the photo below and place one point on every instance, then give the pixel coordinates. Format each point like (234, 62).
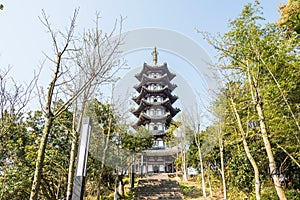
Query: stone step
(154, 189)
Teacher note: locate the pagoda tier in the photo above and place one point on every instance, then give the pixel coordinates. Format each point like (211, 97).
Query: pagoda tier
(145, 105)
(146, 119)
(162, 69)
(163, 80)
(164, 92)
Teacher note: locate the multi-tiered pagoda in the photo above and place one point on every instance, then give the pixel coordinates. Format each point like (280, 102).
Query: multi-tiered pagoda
(155, 111)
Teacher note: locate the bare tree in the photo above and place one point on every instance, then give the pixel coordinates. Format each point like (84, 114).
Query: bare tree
(14, 97)
(62, 77)
(97, 56)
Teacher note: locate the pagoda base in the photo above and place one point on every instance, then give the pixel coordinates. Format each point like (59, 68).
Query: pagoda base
(157, 161)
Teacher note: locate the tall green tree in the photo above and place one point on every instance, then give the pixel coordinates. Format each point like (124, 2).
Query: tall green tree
(105, 125)
(265, 60)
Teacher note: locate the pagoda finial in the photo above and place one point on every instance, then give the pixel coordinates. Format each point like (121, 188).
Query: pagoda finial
(154, 54)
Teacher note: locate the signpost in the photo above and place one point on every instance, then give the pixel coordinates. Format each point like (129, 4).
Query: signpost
(83, 150)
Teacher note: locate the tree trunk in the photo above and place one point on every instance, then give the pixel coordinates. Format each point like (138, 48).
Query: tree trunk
(184, 165)
(48, 112)
(209, 183)
(72, 165)
(103, 161)
(197, 140)
(222, 165)
(255, 168)
(58, 188)
(272, 164)
(121, 186)
(40, 160)
(74, 145)
(257, 99)
(202, 172)
(247, 150)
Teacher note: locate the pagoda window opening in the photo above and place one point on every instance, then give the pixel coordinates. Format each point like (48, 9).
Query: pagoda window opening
(160, 126)
(151, 126)
(156, 99)
(159, 98)
(153, 99)
(154, 75)
(154, 87)
(158, 112)
(152, 112)
(159, 143)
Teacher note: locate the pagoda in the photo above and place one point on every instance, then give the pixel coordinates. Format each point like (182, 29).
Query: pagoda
(155, 111)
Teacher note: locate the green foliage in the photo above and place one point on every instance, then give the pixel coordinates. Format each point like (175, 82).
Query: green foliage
(137, 141)
(103, 149)
(190, 191)
(170, 137)
(103, 115)
(21, 142)
(255, 55)
(290, 16)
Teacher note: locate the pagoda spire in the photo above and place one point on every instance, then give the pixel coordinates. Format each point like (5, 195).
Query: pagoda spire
(154, 54)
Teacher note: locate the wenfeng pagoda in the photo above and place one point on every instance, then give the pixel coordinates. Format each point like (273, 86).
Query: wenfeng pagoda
(155, 111)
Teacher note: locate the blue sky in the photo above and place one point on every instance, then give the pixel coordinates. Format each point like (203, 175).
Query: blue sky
(23, 38)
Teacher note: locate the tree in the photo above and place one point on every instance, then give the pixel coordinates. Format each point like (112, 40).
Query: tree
(170, 136)
(248, 49)
(98, 56)
(193, 119)
(61, 77)
(49, 113)
(244, 134)
(183, 137)
(14, 98)
(137, 141)
(106, 125)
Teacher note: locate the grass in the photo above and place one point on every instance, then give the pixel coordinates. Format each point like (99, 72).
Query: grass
(190, 191)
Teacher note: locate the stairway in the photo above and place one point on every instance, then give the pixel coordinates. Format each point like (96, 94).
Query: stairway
(158, 187)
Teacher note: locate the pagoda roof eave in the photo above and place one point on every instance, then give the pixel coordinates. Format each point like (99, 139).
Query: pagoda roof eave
(146, 119)
(147, 80)
(144, 104)
(147, 68)
(164, 90)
